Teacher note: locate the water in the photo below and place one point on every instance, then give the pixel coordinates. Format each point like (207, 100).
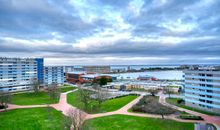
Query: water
(138, 67)
(164, 75)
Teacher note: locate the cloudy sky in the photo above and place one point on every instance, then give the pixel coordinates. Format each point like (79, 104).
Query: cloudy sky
(93, 32)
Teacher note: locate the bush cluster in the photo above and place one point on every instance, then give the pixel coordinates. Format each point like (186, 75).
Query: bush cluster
(123, 96)
(190, 117)
(150, 104)
(180, 101)
(2, 107)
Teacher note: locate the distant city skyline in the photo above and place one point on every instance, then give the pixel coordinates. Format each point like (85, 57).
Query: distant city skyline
(111, 32)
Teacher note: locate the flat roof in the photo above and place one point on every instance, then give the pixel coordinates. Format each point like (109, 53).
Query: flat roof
(95, 75)
(76, 72)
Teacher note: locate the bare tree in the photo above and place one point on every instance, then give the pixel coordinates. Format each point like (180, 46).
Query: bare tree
(5, 98)
(102, 96)
(74, 119)
(53, 92)
(162, 112)
(85, 97)
(153, 91)
(35, 85)
(167, 90)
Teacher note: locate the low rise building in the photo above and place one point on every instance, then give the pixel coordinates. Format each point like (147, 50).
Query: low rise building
(83, 77)
(202, 88)
(75, 77)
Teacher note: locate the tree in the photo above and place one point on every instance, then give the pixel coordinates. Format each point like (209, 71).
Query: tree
(153, 91)
(180, 90)
(35, 85)
(85, 97)
(53, 92)
(162, 111)
(101, 95)
(102, 80)
(74, 119)
(5, 98)
(167, 90)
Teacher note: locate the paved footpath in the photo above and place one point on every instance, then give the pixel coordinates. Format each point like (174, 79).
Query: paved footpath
(208, 119)
(63, 106)
(124, 111)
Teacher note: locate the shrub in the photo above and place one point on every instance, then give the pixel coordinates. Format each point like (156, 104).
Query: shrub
(190, 117)
(180, 101)
(2, 107)
(150, 104)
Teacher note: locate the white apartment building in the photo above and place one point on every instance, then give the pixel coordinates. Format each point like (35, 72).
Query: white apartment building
(53, 75)
(17, 74)
(202, 88)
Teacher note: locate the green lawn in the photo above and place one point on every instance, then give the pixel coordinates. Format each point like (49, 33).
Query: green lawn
(108, 105)
(32, 98)
(66, 89)
(174, 102)
(125, 122)
(31, 119)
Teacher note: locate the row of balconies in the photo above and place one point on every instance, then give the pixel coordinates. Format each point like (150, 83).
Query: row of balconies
(202, 82)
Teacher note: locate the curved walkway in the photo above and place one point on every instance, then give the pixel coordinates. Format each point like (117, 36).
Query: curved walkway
(63, 106)
(209, 119)
(124, 111)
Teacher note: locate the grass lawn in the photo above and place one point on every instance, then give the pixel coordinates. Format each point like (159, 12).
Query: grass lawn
(174, 102)
(107, 106)
(66, 89)
(32, 98)
(125, 122)
(31, 119)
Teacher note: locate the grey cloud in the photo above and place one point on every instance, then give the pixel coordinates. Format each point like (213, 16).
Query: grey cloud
(38, 19)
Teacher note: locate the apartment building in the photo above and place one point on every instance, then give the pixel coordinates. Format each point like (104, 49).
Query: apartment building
(97, 69)
(202, 88)
(17, 74)
(53, 74)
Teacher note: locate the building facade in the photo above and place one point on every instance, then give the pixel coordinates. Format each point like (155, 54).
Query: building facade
(53, 75)
(97, 69)
(17, 74)
(202, 88)
(75, 77)
(68, 69)
(40, 70)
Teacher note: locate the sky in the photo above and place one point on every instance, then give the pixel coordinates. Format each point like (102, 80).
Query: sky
(111, 32)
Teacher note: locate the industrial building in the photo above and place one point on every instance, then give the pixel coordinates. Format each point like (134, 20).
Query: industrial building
(17, 74)
(53, 75)
(83, 77)
(202, 88)
(75, 77)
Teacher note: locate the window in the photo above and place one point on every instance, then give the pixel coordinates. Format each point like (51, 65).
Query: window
(209, 96)
(201, 74)
(209, 107)
(209, 75)
(201, 79)
(209, 91)
(201, 100)
(209, 80)
(210, 86)
(210, 102)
